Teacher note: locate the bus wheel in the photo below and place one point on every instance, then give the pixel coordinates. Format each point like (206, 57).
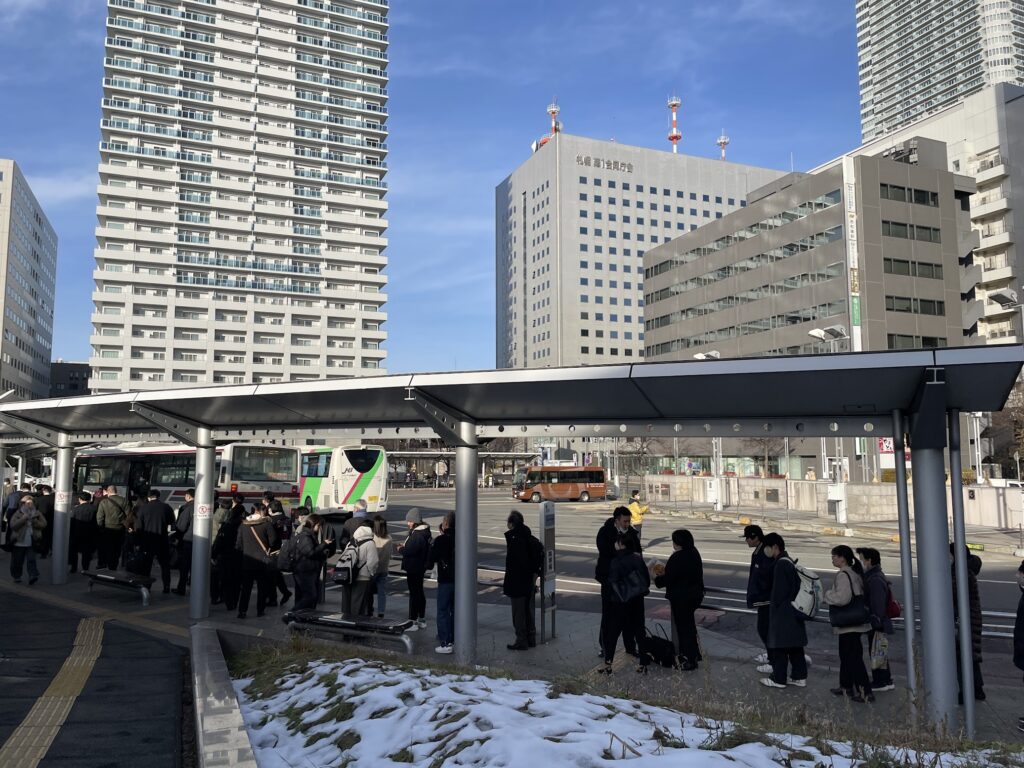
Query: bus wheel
(535, 498)
(584, 497)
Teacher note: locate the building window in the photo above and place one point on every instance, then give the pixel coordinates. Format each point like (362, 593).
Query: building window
(584, 350)
(583, 179)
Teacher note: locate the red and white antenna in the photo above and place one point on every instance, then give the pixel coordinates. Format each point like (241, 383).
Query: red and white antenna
(723, 142)
(553, 110)
(675, 135)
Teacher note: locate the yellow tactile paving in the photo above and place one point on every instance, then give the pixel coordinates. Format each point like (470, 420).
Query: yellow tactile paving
(28, 745)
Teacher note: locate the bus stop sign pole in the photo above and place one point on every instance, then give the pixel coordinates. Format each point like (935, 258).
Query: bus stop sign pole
(546, 528)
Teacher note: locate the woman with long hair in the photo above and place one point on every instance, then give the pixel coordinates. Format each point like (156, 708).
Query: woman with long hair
(849, 625)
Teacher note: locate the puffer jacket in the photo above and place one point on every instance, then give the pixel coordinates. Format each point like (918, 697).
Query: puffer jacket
(367, 561)
(416, 552)
(974, 599)
(847, 584)
(309, 553)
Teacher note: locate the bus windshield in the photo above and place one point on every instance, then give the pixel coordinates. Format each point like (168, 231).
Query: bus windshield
(257, 464)
(362, 459)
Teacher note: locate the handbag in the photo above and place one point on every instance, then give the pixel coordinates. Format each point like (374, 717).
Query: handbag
(269, 556)
(631, 587)
(853, 614)
(880, 651)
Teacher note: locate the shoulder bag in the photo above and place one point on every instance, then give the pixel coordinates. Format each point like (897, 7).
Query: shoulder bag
(269, 556)
(853, 614)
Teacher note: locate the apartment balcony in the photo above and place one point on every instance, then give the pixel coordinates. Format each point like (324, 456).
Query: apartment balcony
(994, 237)
(989, 205)
(989, 172)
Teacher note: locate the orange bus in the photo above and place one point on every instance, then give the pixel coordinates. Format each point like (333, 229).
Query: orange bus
(538, 484)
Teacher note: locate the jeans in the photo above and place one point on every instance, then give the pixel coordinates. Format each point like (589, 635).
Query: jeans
(380, 582)
(783, 657)
(852, 672)
(18, 556)
(417, 598)
(445, 613)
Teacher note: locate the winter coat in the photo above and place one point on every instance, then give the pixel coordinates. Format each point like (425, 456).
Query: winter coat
(310, 554)
(366, 564)
(759, 582)
(974, 599)
(152, 521)
(384, 547)
(24, 521)
(183, 527)
(353, 523)
(606, 538)
(416, 551)
(220, 514)
(223, 550)
(876, 588)
(636, 513)
(683, 579)
(623, 564)
(442, 555)
(283, 525)
(1018, 625)
(45, 506)
(13, 500)
(846, 585)
(521, 566)
(84, 513)
(253, 555)
(785, 626)
(111, 512)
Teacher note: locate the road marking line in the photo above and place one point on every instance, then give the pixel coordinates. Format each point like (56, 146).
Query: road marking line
(31, 740)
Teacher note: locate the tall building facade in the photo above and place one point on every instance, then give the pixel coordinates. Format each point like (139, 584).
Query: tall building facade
(876, 249)
(573, 223)
(28, 270)
(241, 212)
(69, 379)
(917, 57)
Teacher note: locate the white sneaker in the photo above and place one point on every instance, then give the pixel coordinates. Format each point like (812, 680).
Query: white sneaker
(768, 682)
(799, 683)
(889, 687)
(422, 623)
(807, 659)
(766, 669)
(761, 658)
(414, 627)
(445, 649)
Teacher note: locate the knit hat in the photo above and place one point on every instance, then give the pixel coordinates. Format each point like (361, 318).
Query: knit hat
(362, 533)
(414, 516)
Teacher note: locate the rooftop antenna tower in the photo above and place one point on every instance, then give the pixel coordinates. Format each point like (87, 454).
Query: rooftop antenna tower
(674, 135)
(723, 142)
(553, 110)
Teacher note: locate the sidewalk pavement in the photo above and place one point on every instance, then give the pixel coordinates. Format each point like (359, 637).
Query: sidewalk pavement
(1004, 541)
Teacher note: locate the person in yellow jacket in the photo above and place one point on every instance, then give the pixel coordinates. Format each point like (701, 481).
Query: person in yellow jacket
(636, 512)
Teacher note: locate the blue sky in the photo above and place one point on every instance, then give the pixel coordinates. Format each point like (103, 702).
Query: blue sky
(470, 80)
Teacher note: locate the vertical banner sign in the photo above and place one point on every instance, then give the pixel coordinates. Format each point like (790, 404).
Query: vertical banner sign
(546, 529)
(852, 256)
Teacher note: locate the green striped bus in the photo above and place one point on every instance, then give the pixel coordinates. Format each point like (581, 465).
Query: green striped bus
(334, 479)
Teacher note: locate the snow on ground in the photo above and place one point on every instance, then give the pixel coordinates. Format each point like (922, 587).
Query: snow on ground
(359, 713)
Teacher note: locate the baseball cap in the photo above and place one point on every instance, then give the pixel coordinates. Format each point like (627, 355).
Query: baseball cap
(753, 530)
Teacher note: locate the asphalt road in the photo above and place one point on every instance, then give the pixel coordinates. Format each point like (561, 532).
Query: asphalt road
(725, 554)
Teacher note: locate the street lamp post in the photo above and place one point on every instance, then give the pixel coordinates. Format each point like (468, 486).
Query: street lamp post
(716, 442)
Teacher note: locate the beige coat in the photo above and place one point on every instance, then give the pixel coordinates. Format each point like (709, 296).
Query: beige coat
(847, 584)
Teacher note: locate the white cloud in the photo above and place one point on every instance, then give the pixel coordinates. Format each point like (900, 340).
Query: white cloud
(66, 187)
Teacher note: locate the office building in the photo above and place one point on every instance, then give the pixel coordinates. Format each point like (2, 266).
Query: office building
(69, 379)
(573, 223)
(869, 253)
(28, 249)
(918, 57)
(241, 211)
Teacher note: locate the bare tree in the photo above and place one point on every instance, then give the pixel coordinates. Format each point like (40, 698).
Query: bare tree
(766, 447)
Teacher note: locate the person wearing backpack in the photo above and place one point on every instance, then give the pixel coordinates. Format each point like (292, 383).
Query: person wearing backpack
(618, 525)
(787, 635)
(365, 569)
(442, 555)
(683, 581)
(415, 552)
(629, 582)
(308, 554)
(523, 564)
(848, 592)
(878, 591)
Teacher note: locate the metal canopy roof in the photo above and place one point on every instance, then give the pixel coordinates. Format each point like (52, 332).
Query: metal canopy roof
(781, 389)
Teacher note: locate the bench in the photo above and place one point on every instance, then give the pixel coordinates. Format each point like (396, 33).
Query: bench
(129, 581)
(336, 624)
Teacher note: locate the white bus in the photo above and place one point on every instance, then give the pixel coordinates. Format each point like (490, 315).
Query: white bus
(334, 479)
(248, 469)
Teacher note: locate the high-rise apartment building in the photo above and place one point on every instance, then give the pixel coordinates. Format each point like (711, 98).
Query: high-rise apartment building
(917, 57)
(572, 225)
(28, 269)
(241, 213)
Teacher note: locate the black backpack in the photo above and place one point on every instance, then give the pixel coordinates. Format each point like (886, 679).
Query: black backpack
(536, 555)
(286, 558)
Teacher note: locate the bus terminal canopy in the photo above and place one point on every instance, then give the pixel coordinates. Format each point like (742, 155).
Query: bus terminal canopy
(846, 394)
(919, 393)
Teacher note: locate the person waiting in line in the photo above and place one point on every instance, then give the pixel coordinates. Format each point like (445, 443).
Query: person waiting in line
(111, 515)
(615, 526)
(878, 592)
(366, 570)
(787, 635)
(683, 581)
(759, 584)
(523, 564)
(27, 525)
(385, 546)
(974, 604)
(44, 503)
(1018, 633)
(221, 513)
(256, 539)
(628, 582)
(183, 539)
(442, 556)
(636, 514)
(82, 538)
(153, 521)
(415, 552)
(310, 554)
(848, 589)
(283, 525)
(226, 559)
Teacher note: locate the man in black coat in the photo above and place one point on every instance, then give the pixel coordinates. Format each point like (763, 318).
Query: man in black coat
(615, 526)
(523, 565)
(759, 582)
(415, 552)
(183, 536)
(44, 503)
(310, 554)
(153, 519)
(787, 635)
(82, 539)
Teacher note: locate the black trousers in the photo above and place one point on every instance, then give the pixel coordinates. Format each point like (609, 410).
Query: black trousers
(523, 619)
(260, 577)
(762, 624)
(781, 658)
(184, 564)
(163, 557)
(307, 591)
(230, 583)
(81, 544)
(979, 681)
(630, 632)
(417, 597)
(625, 619)
(852, 672)
(280, 585)
(111, 543)
(686, 630)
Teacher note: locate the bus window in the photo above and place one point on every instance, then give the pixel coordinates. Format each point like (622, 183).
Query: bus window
(362, 459)
(264, 464)
(175, 470)
(316, 464)
(595, 476)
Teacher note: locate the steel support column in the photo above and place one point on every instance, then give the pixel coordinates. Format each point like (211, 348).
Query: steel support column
(963, 605)
(199, 597)
(906, 555)
(938, 650)
(61, 509)
(466, 545)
